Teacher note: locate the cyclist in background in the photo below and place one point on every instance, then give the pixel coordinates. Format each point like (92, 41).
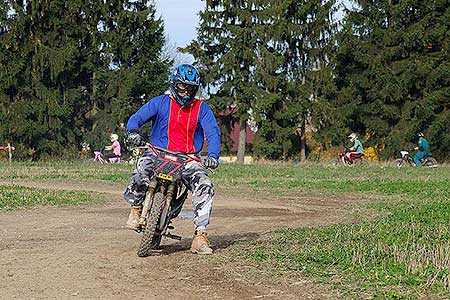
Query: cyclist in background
(113, 152)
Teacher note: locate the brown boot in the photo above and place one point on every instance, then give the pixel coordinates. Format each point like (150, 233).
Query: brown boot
(200, 243)
(133, 218)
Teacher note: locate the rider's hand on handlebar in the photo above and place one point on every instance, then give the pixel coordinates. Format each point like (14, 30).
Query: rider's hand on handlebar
(134, 139)
(210, 162)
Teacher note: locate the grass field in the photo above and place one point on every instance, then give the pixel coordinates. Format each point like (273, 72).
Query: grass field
(404, 253)
(18, 196)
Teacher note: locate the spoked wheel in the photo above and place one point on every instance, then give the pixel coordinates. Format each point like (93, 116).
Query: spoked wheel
(400, 163)
(430, 162)
(152, 236)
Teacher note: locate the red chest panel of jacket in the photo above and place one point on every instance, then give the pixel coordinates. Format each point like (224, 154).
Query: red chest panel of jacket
(182, 125)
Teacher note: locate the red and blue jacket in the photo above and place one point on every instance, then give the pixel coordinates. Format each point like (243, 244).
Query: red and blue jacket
(179, 128)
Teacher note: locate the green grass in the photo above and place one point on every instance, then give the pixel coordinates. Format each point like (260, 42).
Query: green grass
(402, 254)
(117, 173)
(12, 196)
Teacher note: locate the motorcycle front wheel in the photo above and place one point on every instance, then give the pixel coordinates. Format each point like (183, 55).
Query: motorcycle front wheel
(400, 162)
(151, 237)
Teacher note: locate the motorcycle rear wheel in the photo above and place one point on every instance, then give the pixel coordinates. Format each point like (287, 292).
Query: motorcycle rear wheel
(151, 237)
(430, 162)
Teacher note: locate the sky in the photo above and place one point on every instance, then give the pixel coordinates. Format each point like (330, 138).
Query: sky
(180, 19)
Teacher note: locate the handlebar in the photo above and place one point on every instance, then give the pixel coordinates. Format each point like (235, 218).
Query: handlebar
(157, 149)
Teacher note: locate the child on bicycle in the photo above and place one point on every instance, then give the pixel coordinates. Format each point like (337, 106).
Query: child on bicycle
(112, 153)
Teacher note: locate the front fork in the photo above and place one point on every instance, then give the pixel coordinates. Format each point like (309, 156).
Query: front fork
(166, 209)
(147, 201)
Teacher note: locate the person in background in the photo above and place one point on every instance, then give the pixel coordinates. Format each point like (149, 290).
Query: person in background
(113, 151)
(423, 148)
(85, 150)
(180, 122)
(357, 149)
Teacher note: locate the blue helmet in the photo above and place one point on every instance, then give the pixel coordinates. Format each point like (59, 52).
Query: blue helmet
(188, 77)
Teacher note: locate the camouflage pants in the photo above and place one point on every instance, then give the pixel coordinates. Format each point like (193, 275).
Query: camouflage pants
(195, 177)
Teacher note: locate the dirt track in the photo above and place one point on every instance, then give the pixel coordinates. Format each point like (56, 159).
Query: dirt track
(84, 252)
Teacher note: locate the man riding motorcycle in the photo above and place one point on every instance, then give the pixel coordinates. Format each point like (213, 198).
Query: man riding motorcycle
(179, 123)
(423, 148)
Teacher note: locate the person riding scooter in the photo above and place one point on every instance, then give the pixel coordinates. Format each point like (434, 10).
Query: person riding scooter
(357, 149)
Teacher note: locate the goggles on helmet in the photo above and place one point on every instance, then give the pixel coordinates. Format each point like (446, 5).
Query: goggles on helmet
(185, 88)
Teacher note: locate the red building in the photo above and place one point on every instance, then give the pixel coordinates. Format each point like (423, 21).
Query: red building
(234, 135)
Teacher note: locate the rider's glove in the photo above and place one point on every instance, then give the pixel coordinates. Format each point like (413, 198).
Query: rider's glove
(210, 162)
(134, 139)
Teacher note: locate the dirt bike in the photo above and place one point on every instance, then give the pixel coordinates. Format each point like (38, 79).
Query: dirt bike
(345, 159)
(406, 160)
(164, 199)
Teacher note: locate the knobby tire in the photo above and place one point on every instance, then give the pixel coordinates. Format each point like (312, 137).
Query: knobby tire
(151, 237)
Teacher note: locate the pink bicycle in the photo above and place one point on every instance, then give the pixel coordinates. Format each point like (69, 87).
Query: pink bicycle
(99, 157)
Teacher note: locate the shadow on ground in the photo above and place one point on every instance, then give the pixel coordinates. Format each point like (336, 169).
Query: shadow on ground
(217, 242)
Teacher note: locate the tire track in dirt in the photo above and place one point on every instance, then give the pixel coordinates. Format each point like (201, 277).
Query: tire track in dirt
(84, 252)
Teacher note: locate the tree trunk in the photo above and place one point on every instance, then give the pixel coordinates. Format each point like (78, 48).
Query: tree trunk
(303, 141)
(241, 144)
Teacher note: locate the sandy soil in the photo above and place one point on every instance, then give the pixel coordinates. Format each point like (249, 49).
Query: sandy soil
(84, 252)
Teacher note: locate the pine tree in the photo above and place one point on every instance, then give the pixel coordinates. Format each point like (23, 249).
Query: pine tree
(299, 42)
(261, 56)
(225, 51)
(392, 72)
(133, 70)
(72, 71)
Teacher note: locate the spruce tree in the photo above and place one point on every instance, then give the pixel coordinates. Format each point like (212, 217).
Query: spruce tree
(392, 73)
(73, 71)
(225, 52)
(298, 44)
(134, 69)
